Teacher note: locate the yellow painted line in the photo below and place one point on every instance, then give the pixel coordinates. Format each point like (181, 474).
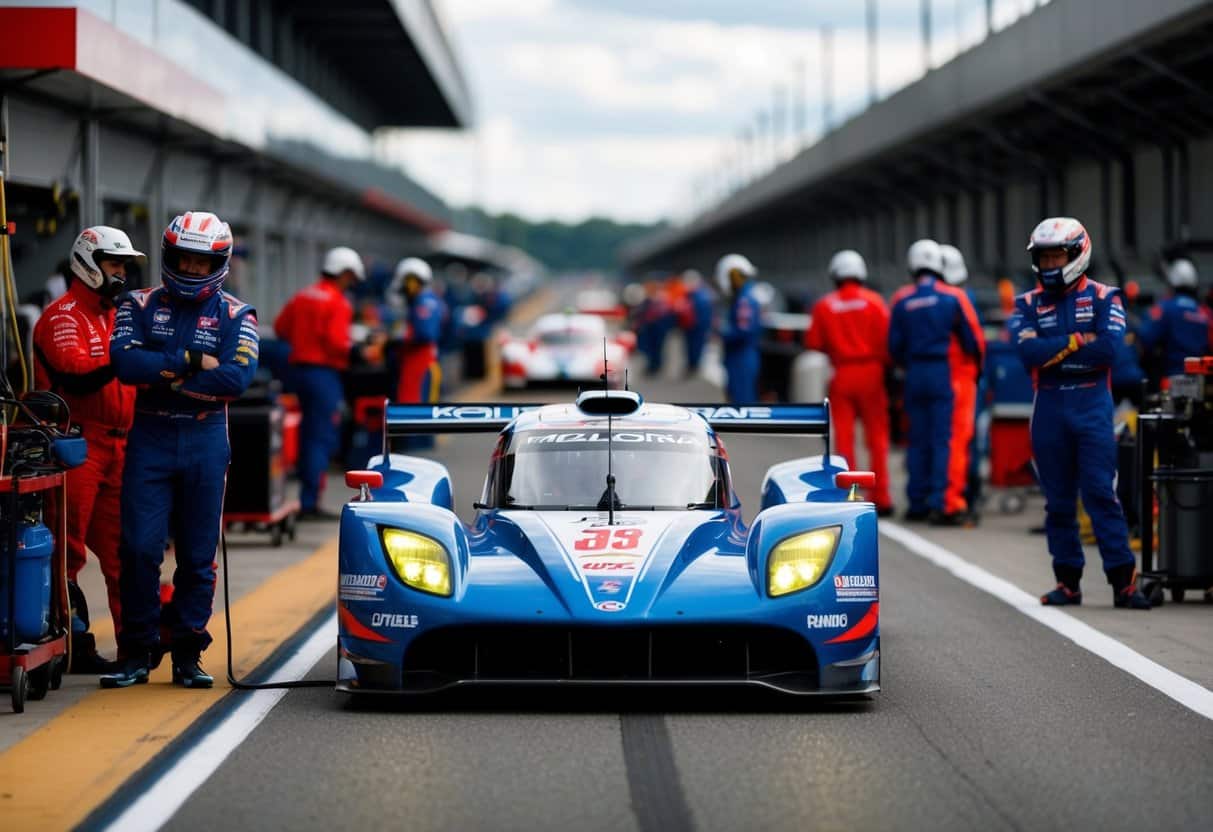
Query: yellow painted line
(55, 777)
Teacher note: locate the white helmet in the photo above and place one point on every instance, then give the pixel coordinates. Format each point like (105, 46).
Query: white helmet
(925, 255)
(343, 259)
(955, 272)
(100, 241)
(1181, 274)
(414, 266)
(733, 263)
(848, 264)
(1067, 234)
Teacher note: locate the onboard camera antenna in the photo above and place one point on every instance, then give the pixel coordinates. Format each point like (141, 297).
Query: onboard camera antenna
(610, 479)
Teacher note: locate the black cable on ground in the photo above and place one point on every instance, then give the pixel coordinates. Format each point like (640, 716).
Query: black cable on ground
(239, 684)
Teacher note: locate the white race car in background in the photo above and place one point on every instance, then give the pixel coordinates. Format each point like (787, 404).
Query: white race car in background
(565, 349)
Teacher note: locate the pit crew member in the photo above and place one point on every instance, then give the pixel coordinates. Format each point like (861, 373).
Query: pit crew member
(1068, 330)
(851, 326)
(316, 323)
(71, 349)
(191, 348)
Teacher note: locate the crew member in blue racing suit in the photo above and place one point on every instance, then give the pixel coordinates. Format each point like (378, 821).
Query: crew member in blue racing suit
(1067, 332)
(742, 328)
(1181, 325)
(934, 334)
(191, 349)
(697, 318)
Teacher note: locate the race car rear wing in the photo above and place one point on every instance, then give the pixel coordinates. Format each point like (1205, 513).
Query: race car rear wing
(413, 419)
(799, 419)
(465, 417)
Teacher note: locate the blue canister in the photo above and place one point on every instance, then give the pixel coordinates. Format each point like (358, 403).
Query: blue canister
(31, 612)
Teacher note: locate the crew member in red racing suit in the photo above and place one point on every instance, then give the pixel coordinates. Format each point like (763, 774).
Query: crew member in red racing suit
(316, 323)
(71, 349)
(851, 326)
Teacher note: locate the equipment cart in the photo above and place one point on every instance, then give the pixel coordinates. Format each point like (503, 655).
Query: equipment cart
(1175, 473)
(34, 617)
(256, 483)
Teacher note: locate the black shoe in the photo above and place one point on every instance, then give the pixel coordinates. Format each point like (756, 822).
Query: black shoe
(92, 664)
(318, 515)
(916, 516)
(132, 670)
(954, 518)
(884, 511)
(187, 672)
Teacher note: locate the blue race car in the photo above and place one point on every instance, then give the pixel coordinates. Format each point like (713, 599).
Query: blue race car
(608, 549)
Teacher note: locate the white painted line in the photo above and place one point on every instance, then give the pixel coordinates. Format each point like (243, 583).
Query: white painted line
(1182, 690)
(163, 798)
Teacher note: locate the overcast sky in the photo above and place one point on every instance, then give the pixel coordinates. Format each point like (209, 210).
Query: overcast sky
(624, 108)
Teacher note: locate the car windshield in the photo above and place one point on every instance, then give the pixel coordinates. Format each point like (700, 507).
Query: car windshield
(568, 337)
(655, 468)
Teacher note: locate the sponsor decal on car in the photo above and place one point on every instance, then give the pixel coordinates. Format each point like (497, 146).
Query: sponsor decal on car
(610, 587)
(855, 588)
(394, 621)
(609, 606)
(626, 438)
(718, 413)
(355, 587)
(599, 565)
(833, 621)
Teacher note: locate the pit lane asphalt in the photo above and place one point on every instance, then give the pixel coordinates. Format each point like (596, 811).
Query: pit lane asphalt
(986, 720)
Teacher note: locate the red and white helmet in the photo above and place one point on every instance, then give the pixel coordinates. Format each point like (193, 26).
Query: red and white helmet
(955, 272)
(94, 245)
(1068, 235)
(198, 233)
(848, 265)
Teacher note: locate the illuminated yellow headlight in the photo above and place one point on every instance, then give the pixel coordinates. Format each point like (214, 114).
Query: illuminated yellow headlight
(799, 562)
(419, 561)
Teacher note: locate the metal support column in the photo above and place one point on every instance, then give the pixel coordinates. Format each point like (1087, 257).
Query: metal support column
(90, 170)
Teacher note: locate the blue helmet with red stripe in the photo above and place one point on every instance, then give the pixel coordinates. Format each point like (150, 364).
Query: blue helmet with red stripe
(196, 253)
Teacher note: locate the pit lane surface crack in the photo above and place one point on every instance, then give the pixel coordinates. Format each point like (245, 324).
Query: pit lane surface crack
(658, 801)
(972, 782)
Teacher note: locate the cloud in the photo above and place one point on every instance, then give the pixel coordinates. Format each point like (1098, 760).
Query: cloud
(626, 106)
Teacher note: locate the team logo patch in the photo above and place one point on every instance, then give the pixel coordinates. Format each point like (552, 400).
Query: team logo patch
(162, 316)
(208, 323)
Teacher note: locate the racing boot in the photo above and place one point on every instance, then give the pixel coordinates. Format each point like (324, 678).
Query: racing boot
(132, 670)
(914, 515)
(1125, 594)
(85, 658)
(955, 519)
(1066, 593)
(188, 672)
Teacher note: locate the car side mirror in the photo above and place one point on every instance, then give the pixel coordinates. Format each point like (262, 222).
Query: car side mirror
(364, 481)
(855, 480)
